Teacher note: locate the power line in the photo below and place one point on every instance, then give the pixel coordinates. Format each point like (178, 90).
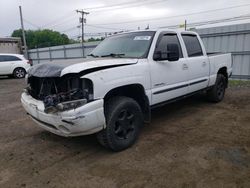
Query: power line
(203, 23)
(58, 19)
(70, 29)
(242, 17)
(136, 4)
(219, 21)
(96, 26)
(62, 22)
(34, 25)
(114, 5)
(88, 25)
(176, 16)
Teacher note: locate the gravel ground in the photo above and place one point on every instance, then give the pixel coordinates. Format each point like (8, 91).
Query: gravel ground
(191, 143)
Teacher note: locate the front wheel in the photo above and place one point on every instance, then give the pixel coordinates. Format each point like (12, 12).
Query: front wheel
(217, 92)
(19, 73)
(124, 119)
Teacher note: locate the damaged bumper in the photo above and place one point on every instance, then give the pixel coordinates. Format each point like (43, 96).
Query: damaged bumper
(84, 120)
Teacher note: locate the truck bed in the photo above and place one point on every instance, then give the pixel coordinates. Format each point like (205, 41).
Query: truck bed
(219, 60)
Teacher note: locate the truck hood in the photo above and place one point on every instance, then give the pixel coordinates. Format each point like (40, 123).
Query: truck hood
(84, 67)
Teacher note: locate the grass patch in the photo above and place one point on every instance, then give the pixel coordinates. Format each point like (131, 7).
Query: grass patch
(233, 83)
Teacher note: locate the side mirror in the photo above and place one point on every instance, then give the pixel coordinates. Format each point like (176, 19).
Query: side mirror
(159, 56)
(172, 53)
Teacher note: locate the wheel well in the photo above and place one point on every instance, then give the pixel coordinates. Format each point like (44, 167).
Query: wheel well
(134, 91)
(223, 71)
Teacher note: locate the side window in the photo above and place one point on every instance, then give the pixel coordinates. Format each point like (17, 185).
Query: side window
(1, 58)
(9, 58)
(192, 45)
(12, 58)
(169, 39)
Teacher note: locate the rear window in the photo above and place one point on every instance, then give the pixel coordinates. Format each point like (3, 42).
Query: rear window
(8, 58)
(192, 45)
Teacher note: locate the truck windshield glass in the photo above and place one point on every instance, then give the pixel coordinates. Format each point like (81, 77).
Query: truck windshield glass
(129, 45)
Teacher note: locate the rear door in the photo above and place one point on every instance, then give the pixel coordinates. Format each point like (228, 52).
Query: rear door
(197, 62)
(168, 79)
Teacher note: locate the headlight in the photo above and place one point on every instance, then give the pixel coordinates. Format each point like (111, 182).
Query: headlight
(71, 104)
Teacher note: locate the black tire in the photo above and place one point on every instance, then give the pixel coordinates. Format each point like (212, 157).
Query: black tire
(217, 92)
(19, 72)
(124, 119)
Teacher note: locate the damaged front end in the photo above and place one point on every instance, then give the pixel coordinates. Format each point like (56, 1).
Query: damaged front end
(60, 93)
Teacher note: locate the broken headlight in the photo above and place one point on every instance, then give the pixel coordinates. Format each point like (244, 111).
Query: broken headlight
(71, 104)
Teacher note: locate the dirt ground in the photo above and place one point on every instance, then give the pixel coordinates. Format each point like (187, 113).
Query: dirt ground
(191, 143)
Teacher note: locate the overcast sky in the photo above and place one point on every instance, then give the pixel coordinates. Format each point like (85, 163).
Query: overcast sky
(111, 15)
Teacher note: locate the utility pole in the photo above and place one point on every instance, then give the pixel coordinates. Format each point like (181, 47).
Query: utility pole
(24, 38)
(82, 20)
(185, 25)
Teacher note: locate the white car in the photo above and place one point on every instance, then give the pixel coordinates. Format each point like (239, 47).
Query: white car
(112, 92)
(14, 65)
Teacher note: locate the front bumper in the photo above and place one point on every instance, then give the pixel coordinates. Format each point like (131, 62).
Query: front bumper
(87, 119)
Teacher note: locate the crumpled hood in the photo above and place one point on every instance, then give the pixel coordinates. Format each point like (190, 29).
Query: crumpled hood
(65, 67)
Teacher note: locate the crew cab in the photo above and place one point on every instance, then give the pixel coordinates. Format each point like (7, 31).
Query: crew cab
(111, 93)
(14, 65)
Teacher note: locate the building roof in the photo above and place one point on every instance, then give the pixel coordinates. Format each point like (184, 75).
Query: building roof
(10, 39)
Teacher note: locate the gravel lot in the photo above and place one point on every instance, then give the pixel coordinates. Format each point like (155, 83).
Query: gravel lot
(191, 143)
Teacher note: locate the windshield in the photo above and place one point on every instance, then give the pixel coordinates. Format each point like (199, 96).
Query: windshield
(129, 45)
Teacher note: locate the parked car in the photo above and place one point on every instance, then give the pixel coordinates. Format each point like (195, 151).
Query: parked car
(14, 65)
(112, 92)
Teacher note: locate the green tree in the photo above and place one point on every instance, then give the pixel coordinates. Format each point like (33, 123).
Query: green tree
(95, 39)
(43, 38)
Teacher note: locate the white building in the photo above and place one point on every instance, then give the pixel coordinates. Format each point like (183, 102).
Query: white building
(10, 45)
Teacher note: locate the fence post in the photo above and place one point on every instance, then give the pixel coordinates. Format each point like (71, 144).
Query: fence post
(28, 53)
(37, 54)
(64, 52)
(50, 56)
(82, 50)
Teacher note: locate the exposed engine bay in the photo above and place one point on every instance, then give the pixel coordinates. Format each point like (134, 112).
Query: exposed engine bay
(61, 93)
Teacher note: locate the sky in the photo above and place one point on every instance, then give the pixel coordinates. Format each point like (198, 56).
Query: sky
(107, 16)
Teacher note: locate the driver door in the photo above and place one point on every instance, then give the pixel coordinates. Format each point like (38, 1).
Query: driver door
(169, 79)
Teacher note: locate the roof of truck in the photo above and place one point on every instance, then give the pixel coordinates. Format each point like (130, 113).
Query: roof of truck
(160, 30)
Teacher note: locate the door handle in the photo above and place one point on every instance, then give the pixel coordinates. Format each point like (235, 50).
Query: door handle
(184, 66)
(204, 64)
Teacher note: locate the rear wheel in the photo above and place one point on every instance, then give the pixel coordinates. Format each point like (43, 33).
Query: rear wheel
(217, 92)
(124, 119)
(19, 73)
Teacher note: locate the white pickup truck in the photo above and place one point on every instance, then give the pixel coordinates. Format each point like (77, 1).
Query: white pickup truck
(112, 92)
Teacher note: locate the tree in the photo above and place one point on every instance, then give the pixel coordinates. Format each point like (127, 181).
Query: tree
(43, 38)
(95, 39)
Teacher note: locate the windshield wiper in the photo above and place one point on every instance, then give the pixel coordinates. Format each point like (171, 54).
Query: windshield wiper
(92, 55)
(113, 55)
